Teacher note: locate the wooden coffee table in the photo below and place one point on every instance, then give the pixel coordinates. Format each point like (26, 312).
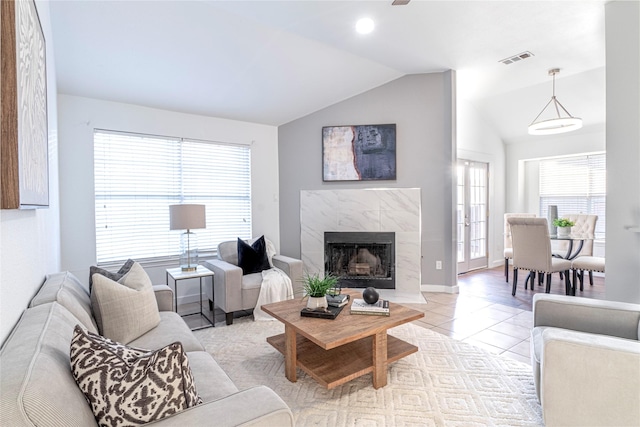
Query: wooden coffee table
(336, 351)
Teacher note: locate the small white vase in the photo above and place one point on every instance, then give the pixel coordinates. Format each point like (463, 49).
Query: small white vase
(564, 231)
(317, 302)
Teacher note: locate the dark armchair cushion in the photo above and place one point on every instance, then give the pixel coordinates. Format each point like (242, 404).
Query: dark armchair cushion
(253, 258)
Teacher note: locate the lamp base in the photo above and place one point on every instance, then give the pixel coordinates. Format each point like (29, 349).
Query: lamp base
(189, 251)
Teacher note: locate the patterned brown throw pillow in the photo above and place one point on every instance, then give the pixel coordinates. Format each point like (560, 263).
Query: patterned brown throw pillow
(130, 386)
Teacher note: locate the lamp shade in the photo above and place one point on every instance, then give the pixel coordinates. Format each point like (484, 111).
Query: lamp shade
(187, 217)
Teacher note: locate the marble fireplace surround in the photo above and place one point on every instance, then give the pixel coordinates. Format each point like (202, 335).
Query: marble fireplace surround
(392, 209)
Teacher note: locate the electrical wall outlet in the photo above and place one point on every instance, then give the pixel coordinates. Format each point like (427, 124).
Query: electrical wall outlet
(438, 265)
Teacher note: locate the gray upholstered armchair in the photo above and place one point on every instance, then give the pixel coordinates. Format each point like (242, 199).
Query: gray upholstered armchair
(585, 355)
(234, 291)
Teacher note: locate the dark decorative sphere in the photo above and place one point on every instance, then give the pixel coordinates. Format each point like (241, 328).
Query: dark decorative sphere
(370, 295)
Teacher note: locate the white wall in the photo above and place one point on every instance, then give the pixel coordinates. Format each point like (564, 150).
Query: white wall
(622, 27)
(30, 239)
(78, 118)
(479, 142)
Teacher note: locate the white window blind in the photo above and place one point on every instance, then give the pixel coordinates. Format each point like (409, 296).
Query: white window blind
(138, 176)
(576, 185)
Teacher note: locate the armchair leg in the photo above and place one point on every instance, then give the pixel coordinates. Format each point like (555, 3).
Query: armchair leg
(515, 281)
(211, 305)
(590, 278)
(229, 318)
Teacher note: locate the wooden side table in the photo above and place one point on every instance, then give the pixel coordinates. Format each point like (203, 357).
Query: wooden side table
(201, 272)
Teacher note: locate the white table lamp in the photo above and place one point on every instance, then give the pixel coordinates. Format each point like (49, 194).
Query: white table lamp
(188, 217)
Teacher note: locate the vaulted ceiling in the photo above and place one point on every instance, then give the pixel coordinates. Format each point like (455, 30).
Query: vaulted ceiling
(274, 61)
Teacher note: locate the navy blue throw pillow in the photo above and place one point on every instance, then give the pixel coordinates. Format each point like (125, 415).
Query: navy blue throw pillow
(253, 258)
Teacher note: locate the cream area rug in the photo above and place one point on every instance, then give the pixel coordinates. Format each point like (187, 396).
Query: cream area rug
(446, 383)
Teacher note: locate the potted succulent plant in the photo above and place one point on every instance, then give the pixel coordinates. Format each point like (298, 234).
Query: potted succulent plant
(564, 226)
(316, 288)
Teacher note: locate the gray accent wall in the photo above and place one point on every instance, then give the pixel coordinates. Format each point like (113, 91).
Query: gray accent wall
(422, 106)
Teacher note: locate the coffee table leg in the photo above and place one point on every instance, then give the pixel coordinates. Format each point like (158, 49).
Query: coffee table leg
(290, 356)
(380, 359)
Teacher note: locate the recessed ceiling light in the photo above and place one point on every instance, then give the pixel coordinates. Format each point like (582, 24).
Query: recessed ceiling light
(365, 26)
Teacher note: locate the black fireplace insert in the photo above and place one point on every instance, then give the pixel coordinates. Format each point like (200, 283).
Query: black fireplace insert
(361, 259)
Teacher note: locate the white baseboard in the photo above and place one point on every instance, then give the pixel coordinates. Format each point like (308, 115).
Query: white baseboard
(440, 288)
(499, 263)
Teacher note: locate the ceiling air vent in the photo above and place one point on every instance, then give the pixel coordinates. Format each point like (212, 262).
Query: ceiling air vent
(400, 2)
(516, 58)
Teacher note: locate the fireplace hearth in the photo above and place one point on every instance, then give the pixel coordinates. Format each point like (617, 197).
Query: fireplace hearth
(361, 259)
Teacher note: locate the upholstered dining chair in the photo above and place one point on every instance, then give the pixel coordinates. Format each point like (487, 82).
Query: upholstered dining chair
(508, 247)
(532, 251)
(586, 263)
(584, 225)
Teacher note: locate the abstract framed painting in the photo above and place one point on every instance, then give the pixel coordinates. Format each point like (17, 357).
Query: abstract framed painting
(24, 143)
(359, 153)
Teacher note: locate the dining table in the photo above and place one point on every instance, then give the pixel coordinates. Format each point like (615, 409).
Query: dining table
(571, 238)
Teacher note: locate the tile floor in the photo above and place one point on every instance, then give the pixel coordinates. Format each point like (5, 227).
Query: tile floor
(485, 313)
(497, 328)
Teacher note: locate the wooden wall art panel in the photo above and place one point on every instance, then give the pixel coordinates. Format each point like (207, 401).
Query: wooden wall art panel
(24, 145)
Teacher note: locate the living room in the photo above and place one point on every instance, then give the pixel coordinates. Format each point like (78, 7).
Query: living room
(435, 127)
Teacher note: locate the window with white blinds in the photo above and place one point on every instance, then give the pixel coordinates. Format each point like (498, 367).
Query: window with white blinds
(576, 185)
(138, 176)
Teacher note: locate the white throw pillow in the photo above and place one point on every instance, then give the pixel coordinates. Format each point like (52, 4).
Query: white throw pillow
(126, 309)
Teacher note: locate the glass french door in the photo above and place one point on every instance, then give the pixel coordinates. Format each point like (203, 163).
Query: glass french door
(472, 214)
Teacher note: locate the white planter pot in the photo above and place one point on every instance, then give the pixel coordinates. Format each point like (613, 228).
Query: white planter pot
(317, 302)
(564, 231)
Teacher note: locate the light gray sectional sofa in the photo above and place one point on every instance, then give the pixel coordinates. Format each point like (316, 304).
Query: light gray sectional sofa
(585, 355)
(37, 387)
